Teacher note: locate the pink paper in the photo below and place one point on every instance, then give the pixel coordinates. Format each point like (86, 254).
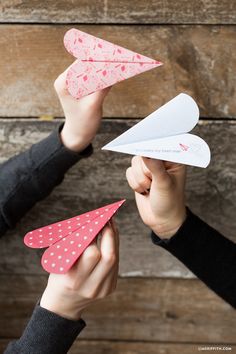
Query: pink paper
(100, 63)
(68, 239)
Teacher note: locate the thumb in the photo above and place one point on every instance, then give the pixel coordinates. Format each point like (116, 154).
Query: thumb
(60, 84)
(100, 95)
(158, 172)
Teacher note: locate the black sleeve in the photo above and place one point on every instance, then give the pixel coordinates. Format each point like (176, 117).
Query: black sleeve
(207, 253)
(31, 176)
(46, 333)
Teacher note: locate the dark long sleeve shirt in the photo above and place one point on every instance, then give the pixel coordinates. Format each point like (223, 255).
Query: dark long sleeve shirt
(26, 179)
(46, 333)
(30, 176)
(207, 253)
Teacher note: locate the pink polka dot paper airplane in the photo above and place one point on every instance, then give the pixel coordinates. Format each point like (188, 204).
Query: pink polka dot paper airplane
(100, 63)
(66, 240)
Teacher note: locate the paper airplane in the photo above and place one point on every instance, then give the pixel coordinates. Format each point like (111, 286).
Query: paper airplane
(100, 63)
(163, 135)
(68, 239)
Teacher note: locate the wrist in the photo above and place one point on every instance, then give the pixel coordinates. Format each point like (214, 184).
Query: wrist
(170, 227)
(60, 305)
(72, 141)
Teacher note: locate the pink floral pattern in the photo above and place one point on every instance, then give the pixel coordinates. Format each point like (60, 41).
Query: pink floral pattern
(100, 63)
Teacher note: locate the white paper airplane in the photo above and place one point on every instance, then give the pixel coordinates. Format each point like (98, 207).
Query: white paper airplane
(164, 135)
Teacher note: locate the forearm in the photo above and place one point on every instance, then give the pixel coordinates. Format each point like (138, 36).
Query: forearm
(207, 253)
(46, 333)
(30, 176)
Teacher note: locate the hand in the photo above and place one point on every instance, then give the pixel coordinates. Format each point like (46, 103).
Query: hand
(82, 116)
(93, 277)
(159, 192)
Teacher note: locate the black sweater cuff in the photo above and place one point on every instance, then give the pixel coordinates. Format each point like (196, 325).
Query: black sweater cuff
(46, 333)
(184, 229)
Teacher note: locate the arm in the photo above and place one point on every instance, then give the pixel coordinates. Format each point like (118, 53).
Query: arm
(46, 333)
(56, 322)
(30, 176)
(207, 253)
(159, 191)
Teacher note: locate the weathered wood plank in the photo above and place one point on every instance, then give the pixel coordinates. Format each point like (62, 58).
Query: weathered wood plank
(119, 347)
(119, 11)
(140, 309)
(103, 347)
(195, 60)
(100, 180)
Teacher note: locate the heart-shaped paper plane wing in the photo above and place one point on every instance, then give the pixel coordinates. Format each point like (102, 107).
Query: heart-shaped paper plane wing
(68, 239)
(100, 63)
(163, 135)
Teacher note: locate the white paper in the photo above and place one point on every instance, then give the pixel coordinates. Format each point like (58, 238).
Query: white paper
(162, 135)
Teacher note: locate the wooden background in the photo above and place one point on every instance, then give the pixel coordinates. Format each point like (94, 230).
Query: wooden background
(159, 307)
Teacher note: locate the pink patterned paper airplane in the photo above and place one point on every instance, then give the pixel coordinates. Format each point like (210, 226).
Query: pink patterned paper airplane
(100, 63)
(68, 239)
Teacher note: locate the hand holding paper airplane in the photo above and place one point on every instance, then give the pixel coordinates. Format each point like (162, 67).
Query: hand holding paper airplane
(164, 135)
(68, 239)
(100, 63)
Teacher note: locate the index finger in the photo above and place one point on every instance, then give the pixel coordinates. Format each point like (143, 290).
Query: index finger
(109, 250)
(109, 242)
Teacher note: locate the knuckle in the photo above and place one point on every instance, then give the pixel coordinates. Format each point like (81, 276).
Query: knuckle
(134, 160)
(143, 182)
(130, 178)
(140, 188)
(92, 254)
(110, 259)
(146, 171)
(92, 294)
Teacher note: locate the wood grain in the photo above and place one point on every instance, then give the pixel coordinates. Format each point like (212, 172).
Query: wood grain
(100, 180)
(140, 310)
(194, 59)
(126, 347)
(119, 11)
(154, 310)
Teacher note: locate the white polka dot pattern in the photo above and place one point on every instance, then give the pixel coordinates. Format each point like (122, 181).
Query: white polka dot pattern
(68, 239)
